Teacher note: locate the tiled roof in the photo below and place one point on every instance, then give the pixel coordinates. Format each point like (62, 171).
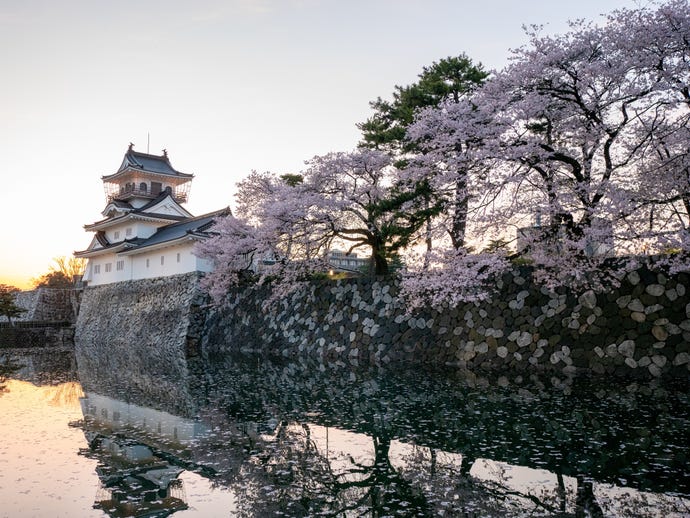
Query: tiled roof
(121, 204)
(141, 211)
(160, 198)
(159, 164)
(133, 214)
(197, 226)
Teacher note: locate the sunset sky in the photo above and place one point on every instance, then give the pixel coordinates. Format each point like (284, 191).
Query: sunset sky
(226, 86)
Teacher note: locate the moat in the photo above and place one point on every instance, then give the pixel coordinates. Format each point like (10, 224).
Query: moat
(267, 439)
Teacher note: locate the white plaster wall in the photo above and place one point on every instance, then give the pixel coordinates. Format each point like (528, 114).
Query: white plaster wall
(114, 275)
(136, 267)
(171, 265)
(139, 229)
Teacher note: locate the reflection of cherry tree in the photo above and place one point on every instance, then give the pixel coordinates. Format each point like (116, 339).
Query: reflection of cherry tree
(570, 424)
(451, 489)
(292, 476)
(379, 488)
(286, 476)
(637, 504)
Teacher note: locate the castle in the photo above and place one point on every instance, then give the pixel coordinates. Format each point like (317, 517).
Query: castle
(145, 232)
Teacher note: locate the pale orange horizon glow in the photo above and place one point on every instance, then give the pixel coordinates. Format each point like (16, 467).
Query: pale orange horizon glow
(18, 281)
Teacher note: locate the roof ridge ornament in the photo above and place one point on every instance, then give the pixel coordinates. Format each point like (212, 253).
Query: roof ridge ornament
(131, 145)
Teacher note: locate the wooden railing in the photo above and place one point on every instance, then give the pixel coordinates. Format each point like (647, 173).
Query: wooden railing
(179, 196)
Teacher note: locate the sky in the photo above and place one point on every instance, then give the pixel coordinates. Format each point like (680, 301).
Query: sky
(226, 86)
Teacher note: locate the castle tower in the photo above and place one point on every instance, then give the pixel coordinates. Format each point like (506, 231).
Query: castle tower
(143, 177)
(146, 232)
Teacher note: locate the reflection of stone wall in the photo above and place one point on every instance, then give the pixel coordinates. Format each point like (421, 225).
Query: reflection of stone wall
(41, 366)
(19, 336)
(137, 341)
(643, 328)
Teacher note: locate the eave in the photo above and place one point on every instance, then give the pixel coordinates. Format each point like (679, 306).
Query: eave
(131, 170)
(164, 244)
(111, 222)
(102, 251)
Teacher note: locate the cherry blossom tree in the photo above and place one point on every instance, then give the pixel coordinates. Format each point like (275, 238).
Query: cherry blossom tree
(358, 199)
(578, 146)
(271, 237)
(285, 225)
(576, 154)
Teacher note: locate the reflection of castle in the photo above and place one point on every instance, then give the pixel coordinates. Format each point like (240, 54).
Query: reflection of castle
(116, 415)
(134, 481)
(136, 478)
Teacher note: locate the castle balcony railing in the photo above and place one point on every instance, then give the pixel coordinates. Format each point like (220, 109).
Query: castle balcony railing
(180, 195)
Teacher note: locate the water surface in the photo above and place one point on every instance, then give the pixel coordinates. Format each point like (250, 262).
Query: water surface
(262, 439)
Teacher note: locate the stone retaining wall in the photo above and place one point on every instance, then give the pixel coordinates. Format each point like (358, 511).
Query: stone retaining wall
(142, 337)
(55, 305)
(641, 329)
(47, 305)
(26, 300)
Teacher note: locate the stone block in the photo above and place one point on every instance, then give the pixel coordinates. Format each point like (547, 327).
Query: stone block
(659, 333)
(655, 290)
(588, 299)
(681, 359)
(636, 305)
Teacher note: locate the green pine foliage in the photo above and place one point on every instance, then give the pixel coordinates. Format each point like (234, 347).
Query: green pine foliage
(449, 78)
(8, 305)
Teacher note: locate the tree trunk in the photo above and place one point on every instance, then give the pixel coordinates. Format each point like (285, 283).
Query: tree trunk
(561, 492)
(380, 263)
(586, 504)
(378, 256)
(429, 243)
(460, 207)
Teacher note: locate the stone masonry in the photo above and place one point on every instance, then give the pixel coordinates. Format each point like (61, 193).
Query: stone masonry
(158, 330)
(641, 329)
(142, 337)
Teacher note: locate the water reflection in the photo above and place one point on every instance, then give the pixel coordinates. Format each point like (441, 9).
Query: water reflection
(136, 478)
(261, 439)
(299, 440)
(40, 366)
